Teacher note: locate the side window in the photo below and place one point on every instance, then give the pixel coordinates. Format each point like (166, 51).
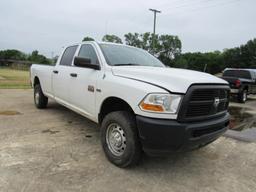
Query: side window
(88, 51)
(68, 55)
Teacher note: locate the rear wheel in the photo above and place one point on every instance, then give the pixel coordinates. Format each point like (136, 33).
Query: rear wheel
(40, 99)
(120, 140)
(242, 96)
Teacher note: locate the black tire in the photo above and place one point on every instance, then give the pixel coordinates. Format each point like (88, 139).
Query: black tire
(40, 99)
(242, 96)
(131, 154)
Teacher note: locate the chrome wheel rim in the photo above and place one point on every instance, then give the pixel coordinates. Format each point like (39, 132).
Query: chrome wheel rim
(116, 139)
(37, 97)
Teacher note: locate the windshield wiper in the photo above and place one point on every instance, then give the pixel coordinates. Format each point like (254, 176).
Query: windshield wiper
(126, 64)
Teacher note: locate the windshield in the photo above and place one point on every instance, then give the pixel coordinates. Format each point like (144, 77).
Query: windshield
(237, 73)
(118, 55)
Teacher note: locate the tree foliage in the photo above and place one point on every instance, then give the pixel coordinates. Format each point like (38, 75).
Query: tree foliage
(238, 57)
(112, 38)
(133, 39)
(88, 39)
(37, 58)
(243, 56)
(12, 54)
(211, 62)
(166, 47)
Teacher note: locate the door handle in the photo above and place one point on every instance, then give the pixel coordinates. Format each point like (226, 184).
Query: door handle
(55, 71)
(73, 74)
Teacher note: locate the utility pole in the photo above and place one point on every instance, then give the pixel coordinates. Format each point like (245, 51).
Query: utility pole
(205, 67)
(154, 28)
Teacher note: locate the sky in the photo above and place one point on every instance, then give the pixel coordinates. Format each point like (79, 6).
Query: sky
(49, 25)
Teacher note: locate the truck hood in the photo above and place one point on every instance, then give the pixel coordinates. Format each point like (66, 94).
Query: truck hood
(172, 79)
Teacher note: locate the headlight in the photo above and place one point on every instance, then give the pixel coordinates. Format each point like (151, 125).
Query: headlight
(161, 103)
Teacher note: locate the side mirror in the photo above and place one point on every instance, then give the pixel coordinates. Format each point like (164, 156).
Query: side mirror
(85, 62)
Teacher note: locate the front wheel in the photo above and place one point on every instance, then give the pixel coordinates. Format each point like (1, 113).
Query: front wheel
(242, 96)
(120, 140)
(40, 99)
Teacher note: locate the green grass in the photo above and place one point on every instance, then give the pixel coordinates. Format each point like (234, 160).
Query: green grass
(14, 79)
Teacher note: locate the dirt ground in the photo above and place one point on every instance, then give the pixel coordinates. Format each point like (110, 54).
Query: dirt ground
(58, 150)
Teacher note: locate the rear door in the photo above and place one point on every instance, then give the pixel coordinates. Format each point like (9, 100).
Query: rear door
(61, 75)
(83, 83)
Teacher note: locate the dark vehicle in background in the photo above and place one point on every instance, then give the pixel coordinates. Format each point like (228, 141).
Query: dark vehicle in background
(242, 82)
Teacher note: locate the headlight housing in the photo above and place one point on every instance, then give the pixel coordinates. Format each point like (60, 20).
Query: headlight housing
(161, 103)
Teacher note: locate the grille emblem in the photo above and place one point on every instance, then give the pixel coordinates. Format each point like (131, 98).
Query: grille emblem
(216, 102)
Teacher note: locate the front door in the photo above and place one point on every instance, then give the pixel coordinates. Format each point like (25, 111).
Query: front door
(83, 83)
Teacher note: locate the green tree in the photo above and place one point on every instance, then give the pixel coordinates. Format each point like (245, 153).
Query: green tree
(251, 52)
(143, 41)
(241, 57)
(88, 39)
(37, 58)
(166, 47)
(133, 39)
(181, 62)
(12, 54)
(212, 62)
(112, 38)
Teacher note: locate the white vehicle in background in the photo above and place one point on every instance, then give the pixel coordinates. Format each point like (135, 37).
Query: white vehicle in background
(140, 104)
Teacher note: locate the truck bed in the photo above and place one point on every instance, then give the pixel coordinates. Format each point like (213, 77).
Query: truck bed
(44, 73)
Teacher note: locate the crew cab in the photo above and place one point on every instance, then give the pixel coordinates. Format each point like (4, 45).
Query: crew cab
(241, 81)
(140, 104)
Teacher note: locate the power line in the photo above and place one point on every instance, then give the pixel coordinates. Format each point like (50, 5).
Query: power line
(174, 2)
(185, 4)
(215, 5)
(206, 7)
(191, 4)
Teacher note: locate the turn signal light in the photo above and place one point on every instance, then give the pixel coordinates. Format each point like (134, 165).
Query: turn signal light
(150, 107)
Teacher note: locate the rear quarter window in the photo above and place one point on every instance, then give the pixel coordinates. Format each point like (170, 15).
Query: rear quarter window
(68, 55)
(238, 73)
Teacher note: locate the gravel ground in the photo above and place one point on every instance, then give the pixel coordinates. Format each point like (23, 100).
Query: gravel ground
(58, 150)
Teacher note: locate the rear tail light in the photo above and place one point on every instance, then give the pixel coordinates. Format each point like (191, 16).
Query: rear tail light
(237, 83)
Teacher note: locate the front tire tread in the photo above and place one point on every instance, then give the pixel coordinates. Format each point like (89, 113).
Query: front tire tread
(133, 151)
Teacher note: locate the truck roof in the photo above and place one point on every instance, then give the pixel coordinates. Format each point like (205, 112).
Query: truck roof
(99, 42)
(254, 70)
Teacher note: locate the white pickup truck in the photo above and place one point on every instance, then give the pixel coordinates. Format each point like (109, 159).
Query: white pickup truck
(140, 104)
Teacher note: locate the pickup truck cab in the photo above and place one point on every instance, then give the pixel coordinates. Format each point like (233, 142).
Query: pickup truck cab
(242, 82)
(140, 104)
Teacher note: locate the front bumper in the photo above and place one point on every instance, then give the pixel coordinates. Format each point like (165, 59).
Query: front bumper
(160, 136)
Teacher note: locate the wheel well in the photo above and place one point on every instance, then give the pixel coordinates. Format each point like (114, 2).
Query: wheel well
(113, 104)
(36, 81)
